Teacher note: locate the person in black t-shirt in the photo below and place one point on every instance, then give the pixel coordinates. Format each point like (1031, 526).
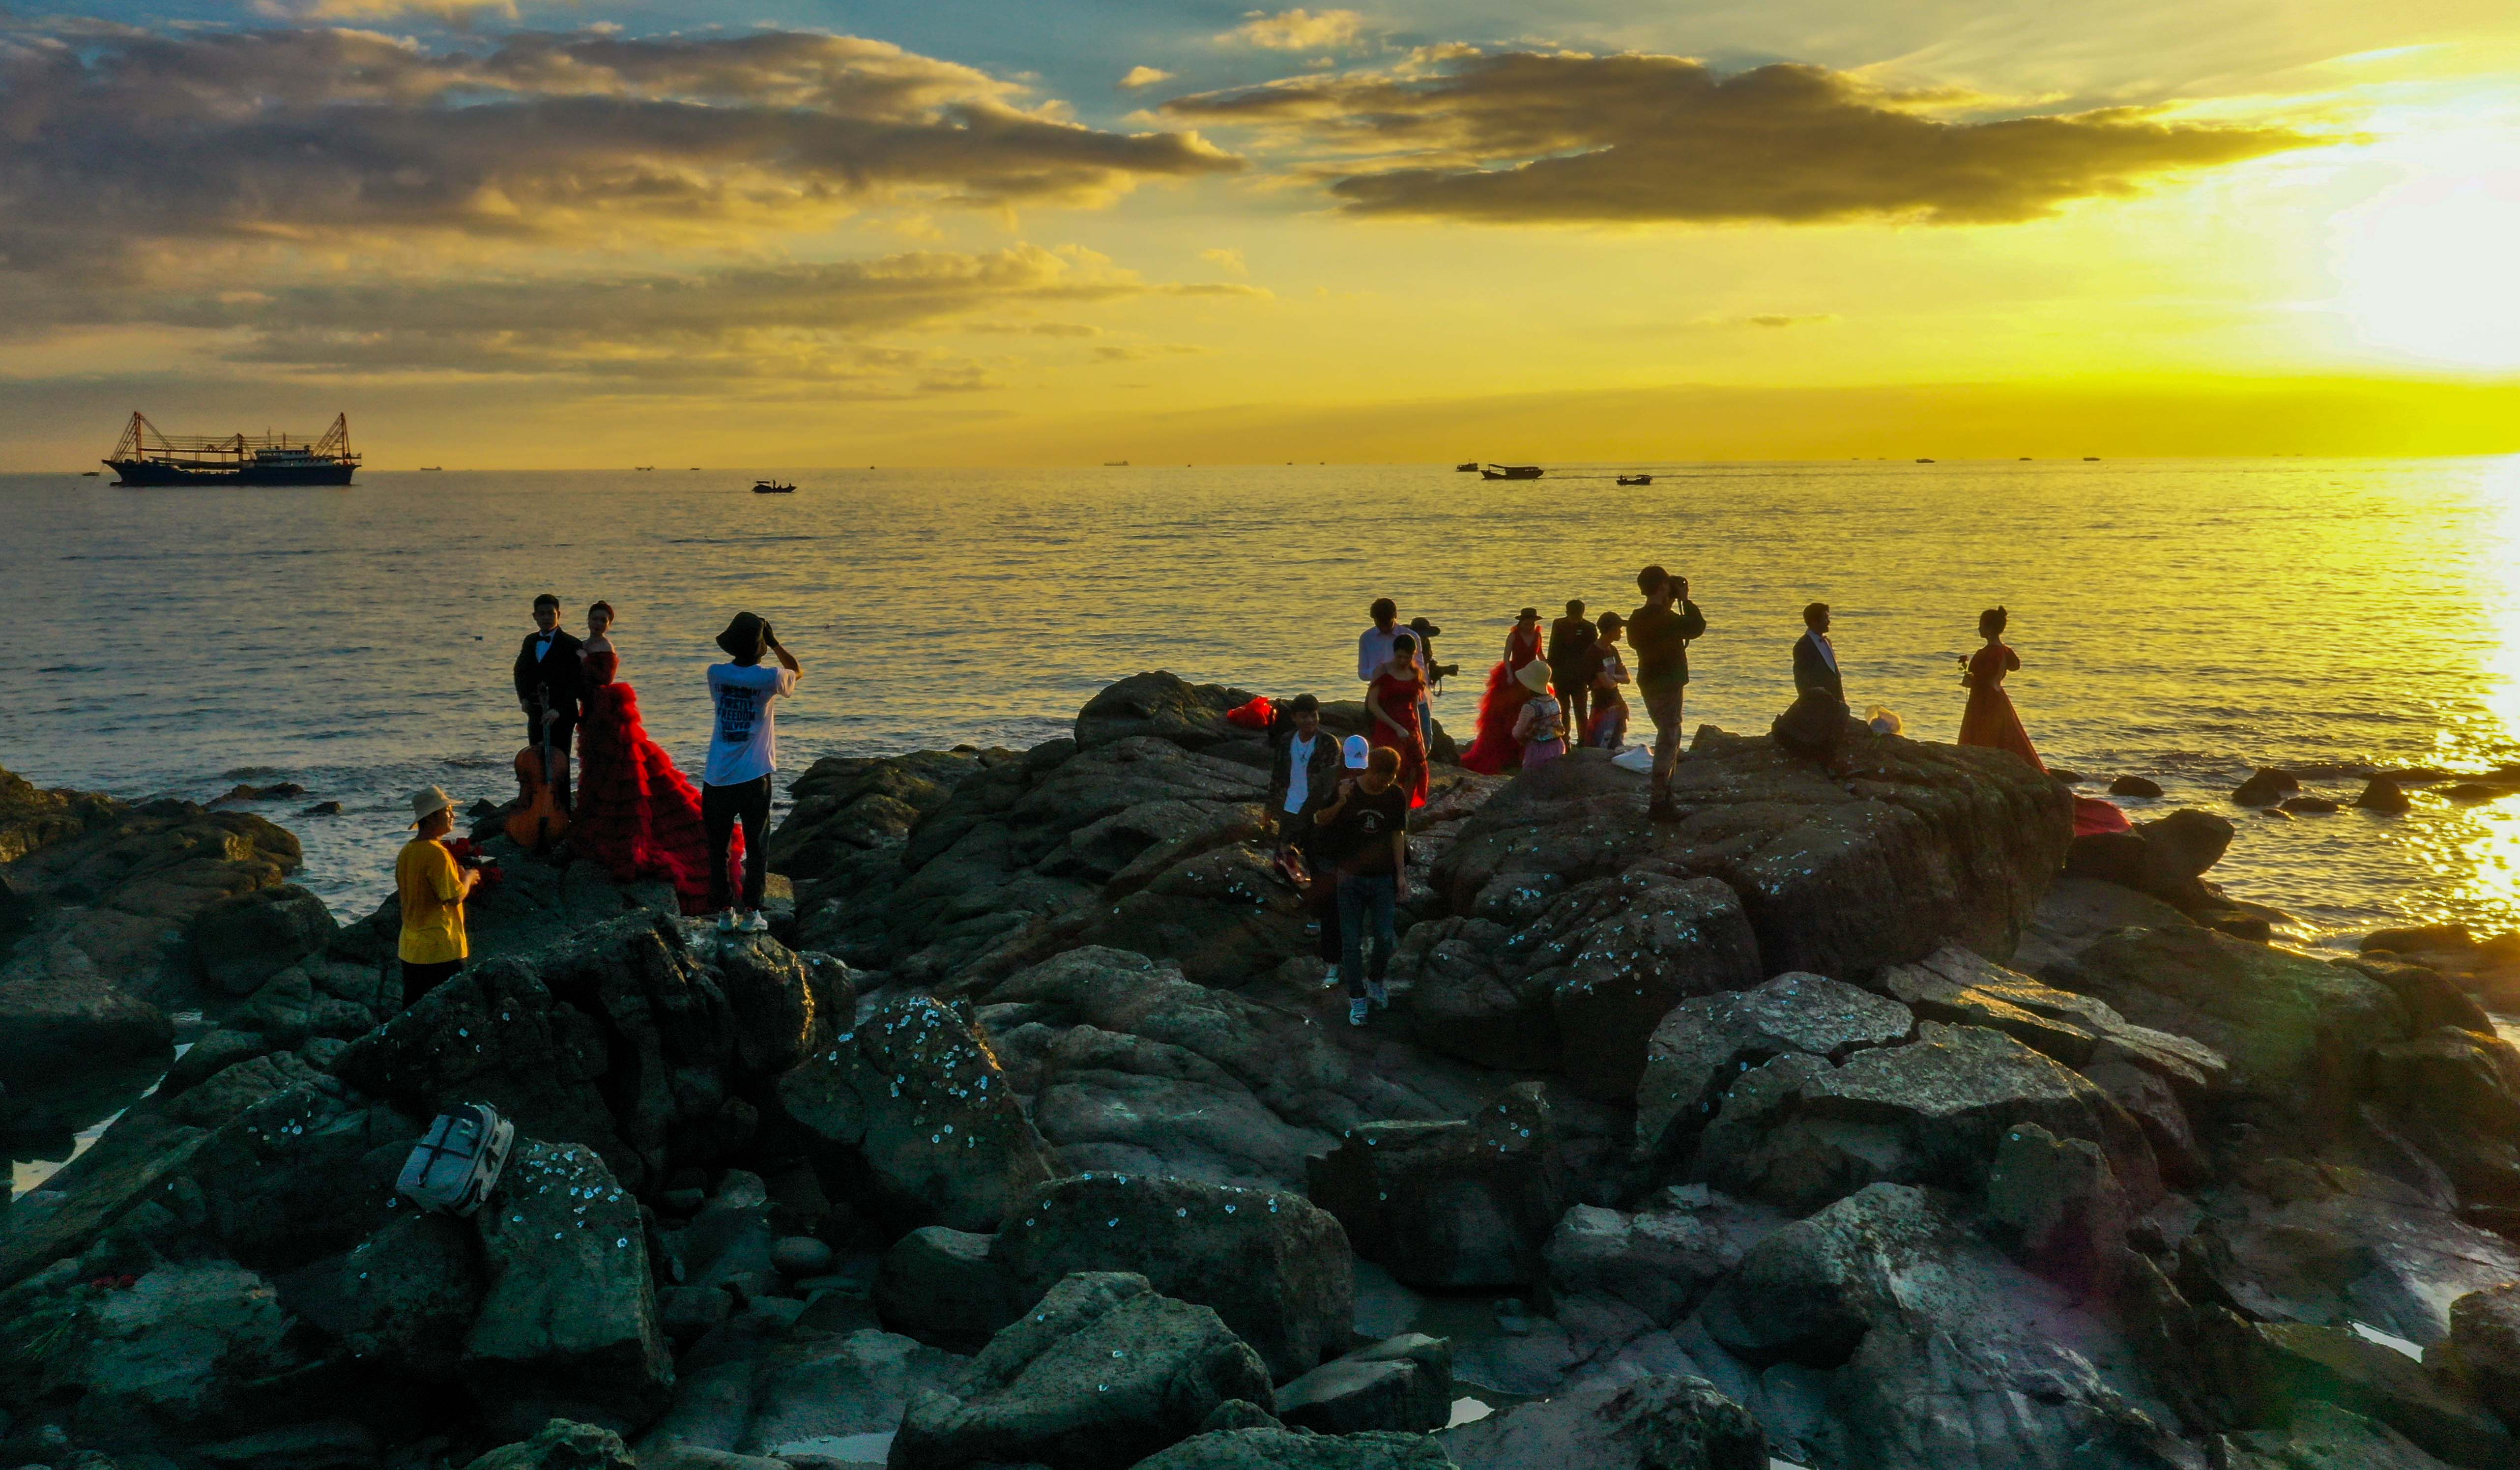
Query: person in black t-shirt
(1367, 824)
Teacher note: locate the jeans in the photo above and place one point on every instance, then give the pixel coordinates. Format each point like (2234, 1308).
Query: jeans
(721, 807)
(1365, 898)
(419, 980)
(1425, 726)
(1664, 705)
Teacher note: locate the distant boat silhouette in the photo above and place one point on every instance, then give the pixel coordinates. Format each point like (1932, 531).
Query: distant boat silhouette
(772, 487)
(89, 474)
(643, 467)
(1106, 463)
(2025, 458)
(1924, 462)
(2091, 458)
(432, 466)
(1510, 472)
(1636, 479)
(1471, 466)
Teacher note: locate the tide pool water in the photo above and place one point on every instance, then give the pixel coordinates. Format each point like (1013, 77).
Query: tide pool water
(2182, 620)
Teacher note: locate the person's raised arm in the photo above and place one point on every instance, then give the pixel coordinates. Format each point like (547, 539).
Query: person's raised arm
(1692, 623)
(787, 659)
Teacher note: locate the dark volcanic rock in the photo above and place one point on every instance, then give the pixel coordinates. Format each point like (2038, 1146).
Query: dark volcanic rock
(848, 821)
(2485, 1342)
(1705, 1043)
(2297, 1032)
(1162, 705)
(1930, 1112)
(2381, 794)
(1097, 1375)
(946, 1287)
(1663, 1422)
(913, 1102)
(1273, 1265)
(1402, 1383)
(562, 1444)
(2457, 1092)
(2266, 786)
(1962, 989)
(2134, 785)
(1465, 1203)
(1582, 986)
(244, 940)
(1920, 844)
(1657, 1261)
(1265, 1448)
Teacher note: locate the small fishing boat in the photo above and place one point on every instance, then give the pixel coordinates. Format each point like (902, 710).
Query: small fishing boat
(1510, 472)
(1923, 461)
(1106, 463)
(773, 487)
(2091, 458)
(1469, 466)
(643, 467)
(434, 468)
(1636, 479)
(89, 474)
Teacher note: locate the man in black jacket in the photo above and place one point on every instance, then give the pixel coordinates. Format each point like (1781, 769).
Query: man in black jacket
(1303, 770)
(1660, 631)
(1814, 660)
(1571, 641)
(548, 679)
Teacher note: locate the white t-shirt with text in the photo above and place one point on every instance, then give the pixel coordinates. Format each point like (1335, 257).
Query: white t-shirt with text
(744, 735)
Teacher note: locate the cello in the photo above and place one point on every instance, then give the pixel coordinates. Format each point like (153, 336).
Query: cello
(537, 820)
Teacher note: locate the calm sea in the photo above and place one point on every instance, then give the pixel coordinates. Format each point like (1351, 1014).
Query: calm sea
(2182, 620)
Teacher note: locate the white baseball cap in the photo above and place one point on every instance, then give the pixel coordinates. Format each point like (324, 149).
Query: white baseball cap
(1357, 750)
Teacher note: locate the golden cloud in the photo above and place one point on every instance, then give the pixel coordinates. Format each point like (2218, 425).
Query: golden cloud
(1524, 137)
(1298, 30)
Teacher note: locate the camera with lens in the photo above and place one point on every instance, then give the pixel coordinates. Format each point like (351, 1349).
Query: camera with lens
(1436, 672)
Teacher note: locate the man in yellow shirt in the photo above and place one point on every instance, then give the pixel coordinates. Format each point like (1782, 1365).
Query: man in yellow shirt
(432, 890)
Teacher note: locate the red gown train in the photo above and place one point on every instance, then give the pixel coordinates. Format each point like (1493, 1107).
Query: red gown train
(1991, 722)
(637, 814)
(1495, 751)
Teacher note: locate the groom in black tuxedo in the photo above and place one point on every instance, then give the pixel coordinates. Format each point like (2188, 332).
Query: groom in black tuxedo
(548, 676)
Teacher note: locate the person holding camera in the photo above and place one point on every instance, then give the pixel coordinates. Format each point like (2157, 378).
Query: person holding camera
(743, 750)
(1660, 632)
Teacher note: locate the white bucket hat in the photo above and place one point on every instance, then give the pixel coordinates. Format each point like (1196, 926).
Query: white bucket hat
(427, 802)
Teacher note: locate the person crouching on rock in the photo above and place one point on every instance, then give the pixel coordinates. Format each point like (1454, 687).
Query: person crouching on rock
(743, 750)
(1367, 824)
(433, 889)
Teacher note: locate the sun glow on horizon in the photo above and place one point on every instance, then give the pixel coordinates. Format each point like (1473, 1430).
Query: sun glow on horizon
(2426, 269)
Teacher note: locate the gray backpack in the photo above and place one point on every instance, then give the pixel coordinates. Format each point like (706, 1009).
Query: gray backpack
(456, 1163)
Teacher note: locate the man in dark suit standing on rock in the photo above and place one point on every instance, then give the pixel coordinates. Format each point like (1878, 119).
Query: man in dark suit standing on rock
(547, 684)
(1571, 641)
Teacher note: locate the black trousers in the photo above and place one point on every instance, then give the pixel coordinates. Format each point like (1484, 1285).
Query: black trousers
(721, 808)
(1575, 697)
(419, 980)
(562, 733)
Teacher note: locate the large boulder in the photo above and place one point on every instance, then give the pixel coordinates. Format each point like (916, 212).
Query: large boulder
(1402, 1383)
(2456, 1093)
(946, 1287)
(809, 1386)
(1271, 1263)
(1580, 986)
(912, 1101)
(31, 816)
(562, 1444)
(2484, 1344)
(848, 823)
(243, 940)
(1655, 1263)
(1919, 845)
(1662, 1422)
(1469, 1202)
(2297, 1032)
(1101, 1372)
(567, 1326)
(403, 1300)
(1703, 1043)
(1959, 988)
(1265, 1448)
(1799, 1132)
(1162, 705)
(61, 1018)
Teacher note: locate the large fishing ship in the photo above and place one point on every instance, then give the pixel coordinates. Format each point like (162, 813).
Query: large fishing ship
(146, 457)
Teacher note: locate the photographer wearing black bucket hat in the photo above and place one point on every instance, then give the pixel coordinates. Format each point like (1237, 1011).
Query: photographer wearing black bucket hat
(744, 751)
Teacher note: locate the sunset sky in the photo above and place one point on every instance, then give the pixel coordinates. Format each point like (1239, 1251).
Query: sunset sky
(987, 232)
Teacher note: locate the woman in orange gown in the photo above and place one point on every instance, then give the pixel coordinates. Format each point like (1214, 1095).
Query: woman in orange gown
(1990, 720)
(1495, 751)
(1391, 715)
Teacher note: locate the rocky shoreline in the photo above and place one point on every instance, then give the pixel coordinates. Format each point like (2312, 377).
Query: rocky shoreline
(1867, 1120)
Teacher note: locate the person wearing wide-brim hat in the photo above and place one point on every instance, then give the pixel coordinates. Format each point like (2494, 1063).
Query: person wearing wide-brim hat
(1541, 726)
(432, 888)
(743, 750)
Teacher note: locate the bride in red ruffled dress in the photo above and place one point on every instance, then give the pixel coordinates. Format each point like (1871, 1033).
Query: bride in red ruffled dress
(1495, 751)
(637, 814)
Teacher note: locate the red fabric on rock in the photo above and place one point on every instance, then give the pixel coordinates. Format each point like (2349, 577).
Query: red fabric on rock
(637, 814)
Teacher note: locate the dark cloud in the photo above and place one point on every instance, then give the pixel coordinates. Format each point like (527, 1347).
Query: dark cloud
(1532, 138)
(110, 136)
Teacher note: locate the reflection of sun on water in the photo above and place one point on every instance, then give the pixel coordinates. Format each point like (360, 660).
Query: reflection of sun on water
(2482, 858)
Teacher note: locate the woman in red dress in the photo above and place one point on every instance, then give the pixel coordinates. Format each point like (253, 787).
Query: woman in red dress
(1392, 702)
(1990, 721)
(636, 814)
(1495, 751)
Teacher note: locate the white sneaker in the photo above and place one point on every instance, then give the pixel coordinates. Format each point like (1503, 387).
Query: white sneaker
(1331, 980)
(1374, 992)
(726, 922)
(756, 922)
(1356, 1012)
